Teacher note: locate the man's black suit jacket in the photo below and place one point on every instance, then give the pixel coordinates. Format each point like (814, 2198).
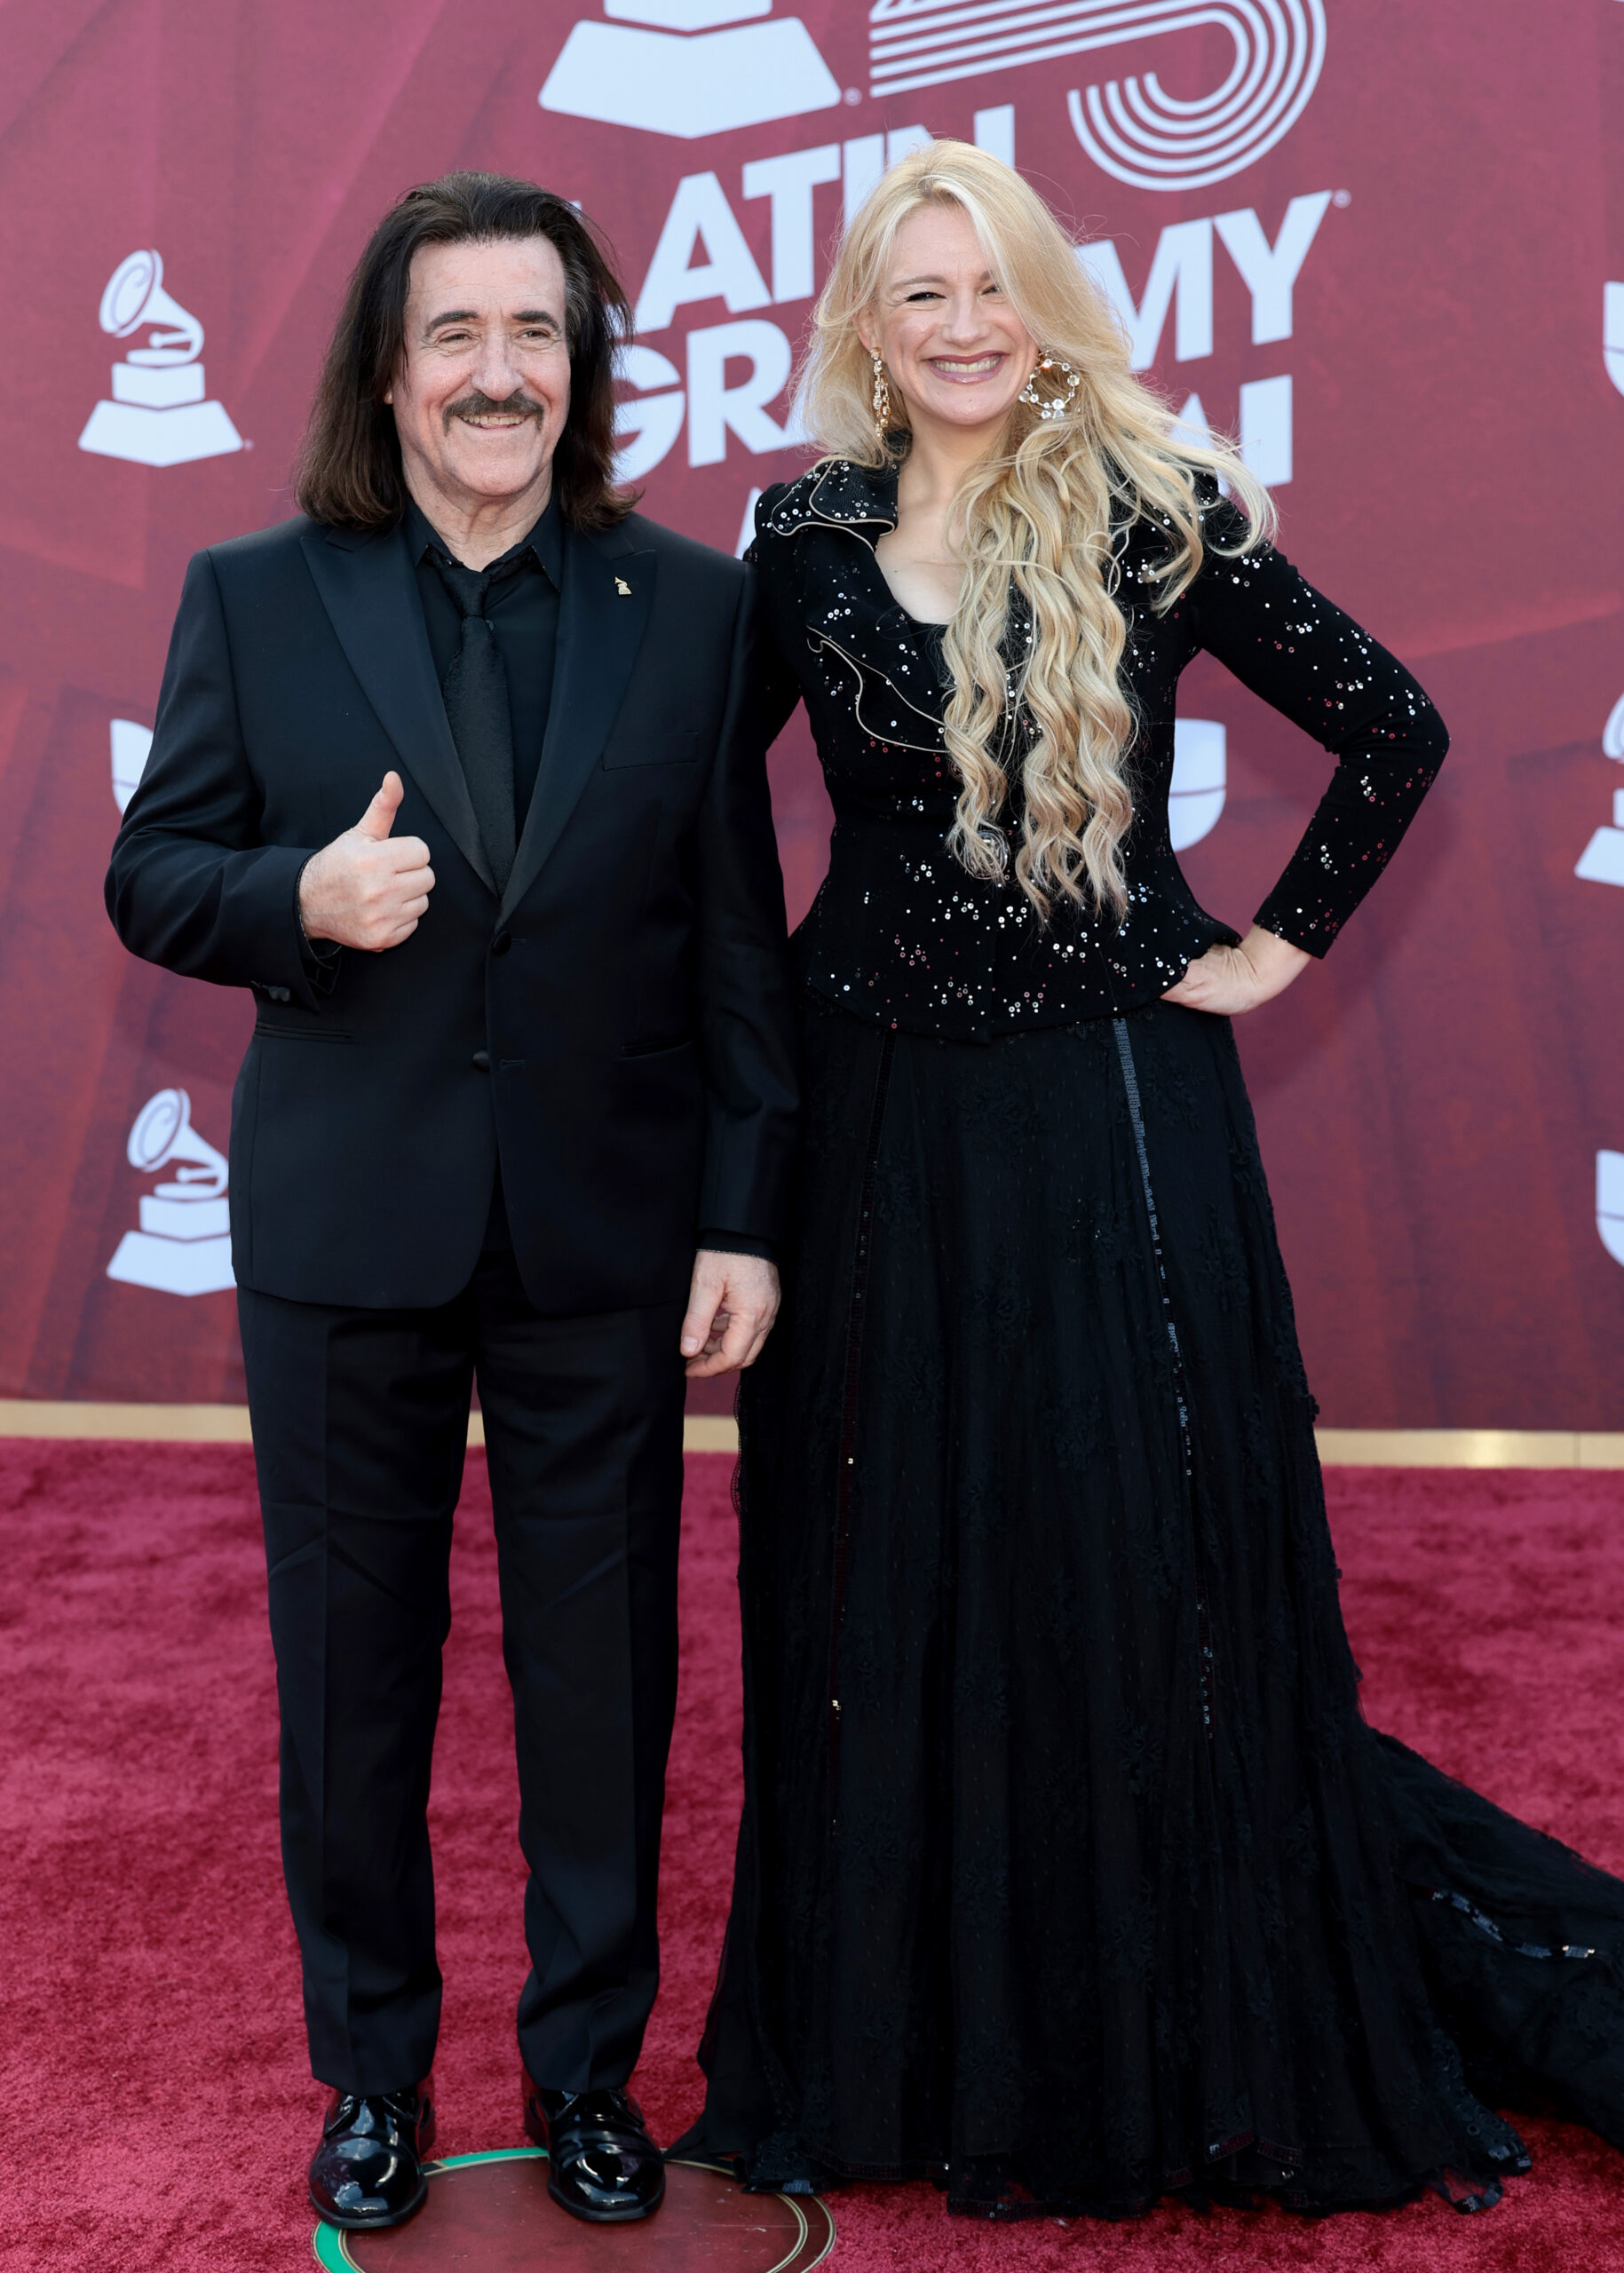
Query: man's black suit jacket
(616, 1027)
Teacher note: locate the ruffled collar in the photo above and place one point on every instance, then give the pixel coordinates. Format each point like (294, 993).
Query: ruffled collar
(848, 605)
(839, 495)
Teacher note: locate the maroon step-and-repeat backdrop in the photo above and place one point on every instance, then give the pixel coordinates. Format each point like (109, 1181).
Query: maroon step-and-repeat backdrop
(1381, 243)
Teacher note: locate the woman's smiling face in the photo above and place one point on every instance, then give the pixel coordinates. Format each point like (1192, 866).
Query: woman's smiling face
(953, 348)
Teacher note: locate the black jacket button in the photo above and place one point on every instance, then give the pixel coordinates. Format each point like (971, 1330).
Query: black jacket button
(482, 1059)
(503, 941)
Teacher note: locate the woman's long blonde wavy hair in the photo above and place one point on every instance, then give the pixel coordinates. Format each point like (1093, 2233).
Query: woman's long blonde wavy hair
(1037, 509)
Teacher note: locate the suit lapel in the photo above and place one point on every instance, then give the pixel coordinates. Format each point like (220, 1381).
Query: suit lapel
(367, 587)
(603, 612)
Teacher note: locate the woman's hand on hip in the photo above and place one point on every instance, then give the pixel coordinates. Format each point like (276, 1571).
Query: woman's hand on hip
(1228, 981)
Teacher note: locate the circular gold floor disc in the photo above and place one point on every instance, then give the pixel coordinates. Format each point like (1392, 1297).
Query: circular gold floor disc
(492, 2213)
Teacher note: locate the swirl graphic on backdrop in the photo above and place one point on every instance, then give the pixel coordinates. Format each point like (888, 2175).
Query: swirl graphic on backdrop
(1131, 127)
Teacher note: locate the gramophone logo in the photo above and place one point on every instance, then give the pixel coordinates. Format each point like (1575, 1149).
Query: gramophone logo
(1131, 129)
(158, 414)
(184, 1244)
(689, 68)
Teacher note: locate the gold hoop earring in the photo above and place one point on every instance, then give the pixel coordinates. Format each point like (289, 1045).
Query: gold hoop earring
(1054, 405)
(881, 398)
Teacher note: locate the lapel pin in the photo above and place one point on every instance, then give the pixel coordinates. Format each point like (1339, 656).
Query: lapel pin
(622, 588)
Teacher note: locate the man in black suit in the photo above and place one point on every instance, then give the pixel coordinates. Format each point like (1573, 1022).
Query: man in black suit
(518, 1108)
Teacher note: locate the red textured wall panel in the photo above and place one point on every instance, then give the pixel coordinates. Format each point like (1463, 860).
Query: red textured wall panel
(1377, 240)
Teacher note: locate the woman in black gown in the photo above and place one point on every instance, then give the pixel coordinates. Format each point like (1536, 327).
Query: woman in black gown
(1069, 1873)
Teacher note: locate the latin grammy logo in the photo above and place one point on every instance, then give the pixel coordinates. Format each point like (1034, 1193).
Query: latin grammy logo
(1602, 861)
(184, 1244)
(158, 414)
(689, 68)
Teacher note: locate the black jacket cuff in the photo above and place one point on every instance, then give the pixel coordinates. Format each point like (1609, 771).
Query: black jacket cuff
(319, 957)
(737, 1243)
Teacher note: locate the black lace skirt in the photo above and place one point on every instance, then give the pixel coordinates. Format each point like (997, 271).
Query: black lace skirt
(1069, 1874)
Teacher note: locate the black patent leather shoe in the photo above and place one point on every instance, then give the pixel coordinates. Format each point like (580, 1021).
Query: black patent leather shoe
(369, 2169)
(601, 2163)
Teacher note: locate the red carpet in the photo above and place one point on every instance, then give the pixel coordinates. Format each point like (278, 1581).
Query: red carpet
(158, 2110)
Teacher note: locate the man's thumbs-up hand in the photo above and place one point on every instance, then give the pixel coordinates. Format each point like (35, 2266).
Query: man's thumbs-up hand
(367, 889)
(379, 817)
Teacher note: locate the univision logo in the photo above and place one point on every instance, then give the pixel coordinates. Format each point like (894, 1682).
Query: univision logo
(1131, 129)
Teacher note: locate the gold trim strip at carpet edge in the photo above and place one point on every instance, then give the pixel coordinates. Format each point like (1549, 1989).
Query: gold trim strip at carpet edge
(706, 1432)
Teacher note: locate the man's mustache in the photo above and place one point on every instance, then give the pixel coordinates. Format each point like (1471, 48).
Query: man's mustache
(474, 406)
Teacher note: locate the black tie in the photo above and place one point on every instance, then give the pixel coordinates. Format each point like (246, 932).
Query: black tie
(476, 696)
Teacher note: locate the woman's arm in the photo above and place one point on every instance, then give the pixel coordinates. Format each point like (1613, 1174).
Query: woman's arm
(742, 968)
(777, 689)
(1317, 668)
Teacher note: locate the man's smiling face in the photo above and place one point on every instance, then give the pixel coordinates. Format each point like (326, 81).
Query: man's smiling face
(483, 390)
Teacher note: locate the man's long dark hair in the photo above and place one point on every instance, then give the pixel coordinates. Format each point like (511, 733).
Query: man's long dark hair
(349, 467)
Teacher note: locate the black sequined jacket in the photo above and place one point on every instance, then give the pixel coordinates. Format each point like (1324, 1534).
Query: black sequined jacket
(900, 931)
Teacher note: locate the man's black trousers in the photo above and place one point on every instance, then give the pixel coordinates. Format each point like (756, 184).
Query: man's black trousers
(359, 1420)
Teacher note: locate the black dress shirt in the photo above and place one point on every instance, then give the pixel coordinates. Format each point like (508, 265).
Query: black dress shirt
(522, 611)
(527, 583)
